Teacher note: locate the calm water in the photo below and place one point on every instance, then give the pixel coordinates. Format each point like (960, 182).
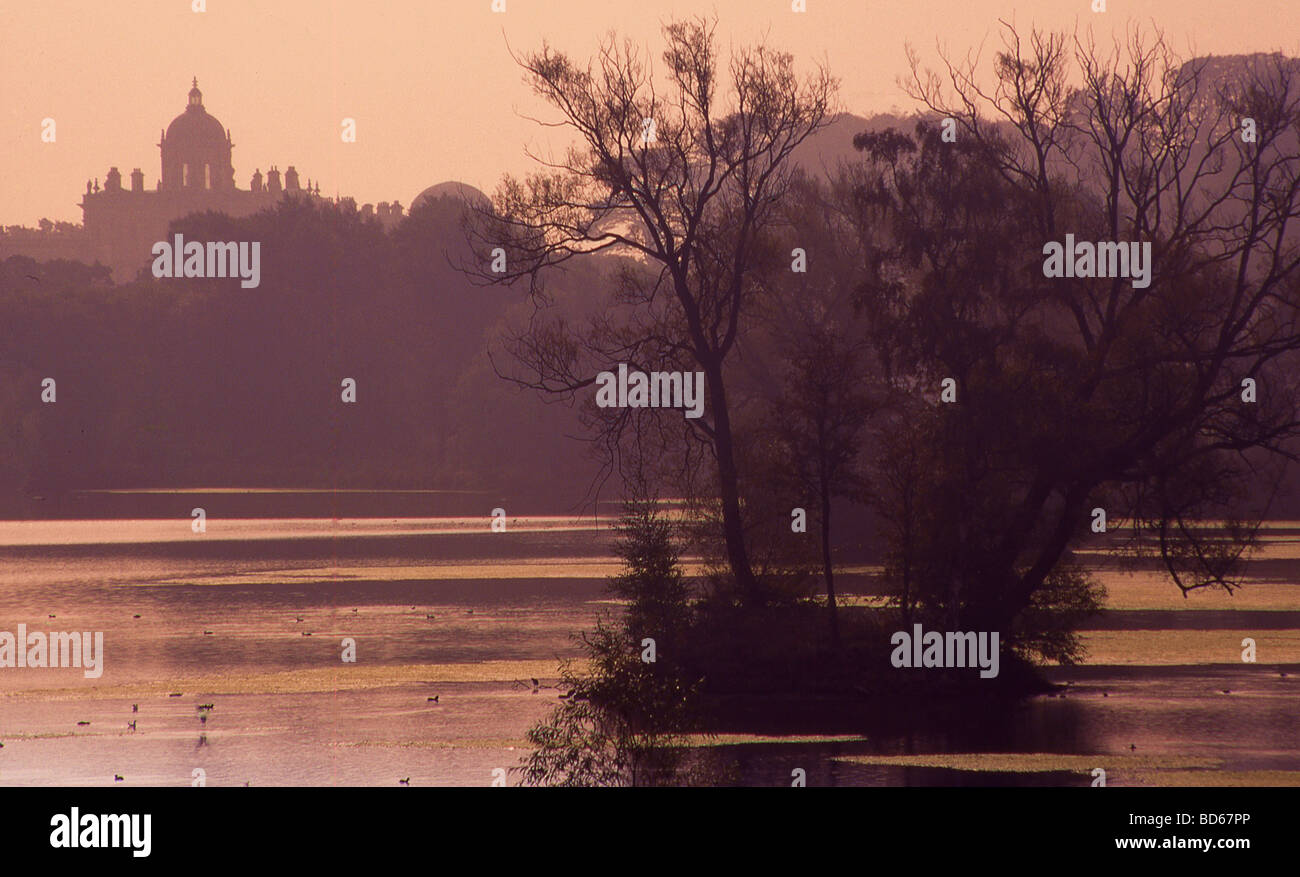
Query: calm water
(251, 617)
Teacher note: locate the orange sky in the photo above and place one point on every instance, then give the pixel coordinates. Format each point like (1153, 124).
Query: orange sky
(430, 82)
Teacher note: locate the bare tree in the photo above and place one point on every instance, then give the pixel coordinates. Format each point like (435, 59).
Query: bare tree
(1085, 392)
(811, 361)
(684, 190)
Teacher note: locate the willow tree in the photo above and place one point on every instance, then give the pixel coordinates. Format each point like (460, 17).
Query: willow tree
(678, 187)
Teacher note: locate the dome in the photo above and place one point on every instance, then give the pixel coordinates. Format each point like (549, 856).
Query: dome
(195, 126)
(462, 192)
(196, 150)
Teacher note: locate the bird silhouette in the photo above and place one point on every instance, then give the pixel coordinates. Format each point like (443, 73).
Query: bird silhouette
(433, 699)
(131, 725)
(1227, 690)
(175, 694)
(117, 778)
(51, 614)
(33, 277)
(137, 615)
(135, 707)
(83, 723)
(405, 782)
(207, 633)
(1132, 747)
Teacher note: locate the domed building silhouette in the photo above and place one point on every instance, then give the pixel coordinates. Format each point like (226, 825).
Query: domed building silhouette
(196, 150)
(451, 189)
(121, 225)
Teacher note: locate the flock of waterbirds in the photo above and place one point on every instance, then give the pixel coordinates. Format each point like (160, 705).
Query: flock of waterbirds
(204, 710)
(533, 685)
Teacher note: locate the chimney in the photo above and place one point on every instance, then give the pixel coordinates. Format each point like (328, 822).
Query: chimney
(137, 180)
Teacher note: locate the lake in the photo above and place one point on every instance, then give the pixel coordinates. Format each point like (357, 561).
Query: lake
(251, 616)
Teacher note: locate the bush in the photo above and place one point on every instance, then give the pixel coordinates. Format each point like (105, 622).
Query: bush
(624, 719)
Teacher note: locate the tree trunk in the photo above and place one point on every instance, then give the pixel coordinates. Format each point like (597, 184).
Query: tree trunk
(729, 489)
(826, 564)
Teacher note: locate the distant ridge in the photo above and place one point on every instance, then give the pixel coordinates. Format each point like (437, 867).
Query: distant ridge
(833, 145)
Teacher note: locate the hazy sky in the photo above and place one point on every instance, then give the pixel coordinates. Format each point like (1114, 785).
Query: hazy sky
(430, 83)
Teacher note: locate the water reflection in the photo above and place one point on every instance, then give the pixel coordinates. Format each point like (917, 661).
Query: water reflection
(443, 606)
